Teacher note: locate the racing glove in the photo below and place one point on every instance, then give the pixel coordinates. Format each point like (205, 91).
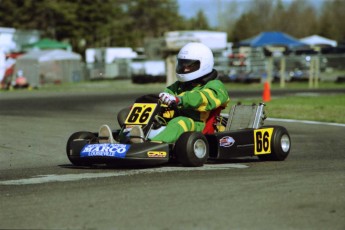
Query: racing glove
(168, 99)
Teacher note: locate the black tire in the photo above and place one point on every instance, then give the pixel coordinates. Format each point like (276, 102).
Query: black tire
(280, 145)
(78, 135)
(192, 149)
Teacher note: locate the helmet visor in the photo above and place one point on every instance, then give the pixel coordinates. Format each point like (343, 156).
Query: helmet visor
(187, 66)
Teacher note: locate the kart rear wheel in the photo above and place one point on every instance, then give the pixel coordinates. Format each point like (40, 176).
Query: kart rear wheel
(192, 149)
(78, 135)
(280, 145)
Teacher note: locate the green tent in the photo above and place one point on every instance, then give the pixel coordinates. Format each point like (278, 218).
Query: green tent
(47, 43)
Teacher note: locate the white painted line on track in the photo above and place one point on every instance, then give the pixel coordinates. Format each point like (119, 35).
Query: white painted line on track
(306, 122)
(75, 177)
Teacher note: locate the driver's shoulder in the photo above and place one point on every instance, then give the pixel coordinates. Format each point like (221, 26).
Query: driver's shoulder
(215, 83)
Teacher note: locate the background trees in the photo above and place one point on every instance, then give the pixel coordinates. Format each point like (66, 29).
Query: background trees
(331, 23)
(299, 18)
(96, 23)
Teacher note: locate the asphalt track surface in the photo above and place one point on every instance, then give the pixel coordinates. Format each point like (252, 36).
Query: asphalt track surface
(40, 189)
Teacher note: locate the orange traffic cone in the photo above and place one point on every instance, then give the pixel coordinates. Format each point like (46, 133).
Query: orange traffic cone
(266, 95)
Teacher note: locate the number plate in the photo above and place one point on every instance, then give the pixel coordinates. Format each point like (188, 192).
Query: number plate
(262, 141)
(140, 113)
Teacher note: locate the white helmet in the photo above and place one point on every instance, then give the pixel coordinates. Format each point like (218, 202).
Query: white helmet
(194, 61)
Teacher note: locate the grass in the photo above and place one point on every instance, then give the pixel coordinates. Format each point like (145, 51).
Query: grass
(330, 108)
(125, 86)
(119, 86)
(327, 108)
(315, 107)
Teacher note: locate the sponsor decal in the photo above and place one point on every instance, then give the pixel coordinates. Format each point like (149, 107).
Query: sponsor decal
(226, 141)
(156, 154)
(105, 150)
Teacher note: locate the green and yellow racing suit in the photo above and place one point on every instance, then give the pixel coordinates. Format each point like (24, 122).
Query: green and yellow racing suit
(196, 101)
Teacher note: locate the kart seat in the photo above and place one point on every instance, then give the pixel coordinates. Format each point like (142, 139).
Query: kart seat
(211, 122)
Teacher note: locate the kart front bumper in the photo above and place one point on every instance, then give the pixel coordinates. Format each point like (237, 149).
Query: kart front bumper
(140, 154)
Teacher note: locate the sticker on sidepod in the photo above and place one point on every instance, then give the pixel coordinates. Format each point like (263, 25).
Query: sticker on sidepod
(226, 141)
(156, 154)
(105, 150)
(262, 141)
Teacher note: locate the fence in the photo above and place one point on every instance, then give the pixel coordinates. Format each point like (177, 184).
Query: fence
(257, 67)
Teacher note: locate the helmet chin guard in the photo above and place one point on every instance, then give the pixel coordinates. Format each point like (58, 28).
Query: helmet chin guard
(194, 60)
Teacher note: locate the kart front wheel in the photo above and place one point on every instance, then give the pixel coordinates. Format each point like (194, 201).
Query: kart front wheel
(192, 149)
(75, 160)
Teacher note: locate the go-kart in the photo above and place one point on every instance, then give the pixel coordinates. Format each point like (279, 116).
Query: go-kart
(238, 134)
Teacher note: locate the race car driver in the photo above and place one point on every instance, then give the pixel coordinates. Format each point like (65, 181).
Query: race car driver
(196, 92)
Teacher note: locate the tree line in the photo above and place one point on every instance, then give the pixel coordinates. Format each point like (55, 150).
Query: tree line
(299, 19)
(100, 23)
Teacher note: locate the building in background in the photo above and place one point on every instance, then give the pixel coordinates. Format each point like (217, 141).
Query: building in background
(109, 62)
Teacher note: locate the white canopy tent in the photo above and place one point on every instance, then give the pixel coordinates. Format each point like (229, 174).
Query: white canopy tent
(316, 40)
(50, 66)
